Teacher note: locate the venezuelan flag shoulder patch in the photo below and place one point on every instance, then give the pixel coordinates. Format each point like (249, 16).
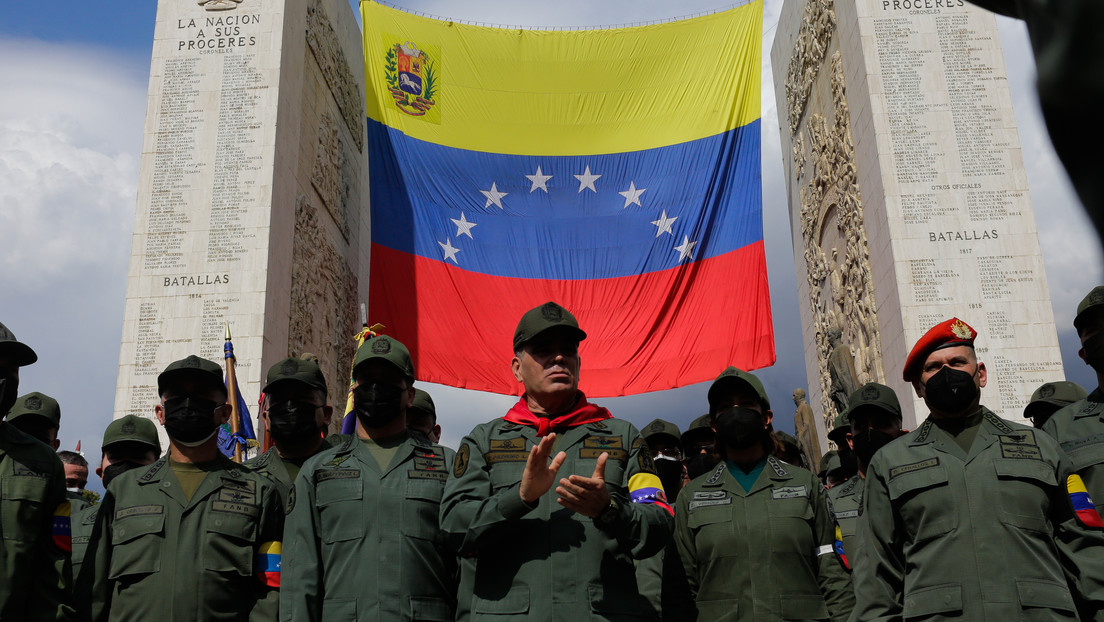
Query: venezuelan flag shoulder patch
(268, 563)
(646, 488)
(1082, 503)
(61, 527)
(837, 546)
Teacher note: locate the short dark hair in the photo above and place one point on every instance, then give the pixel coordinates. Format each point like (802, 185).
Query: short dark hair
(72, 457)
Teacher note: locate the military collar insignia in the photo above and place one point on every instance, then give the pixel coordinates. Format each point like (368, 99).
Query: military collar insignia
(715, 478)
(923, 433)
(849, 486)
(509, 426)
(153, 471)
(597, 425)
(998, 423)
(779, 470)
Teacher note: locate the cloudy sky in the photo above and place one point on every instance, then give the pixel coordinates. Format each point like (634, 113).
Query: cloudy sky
(71, 116)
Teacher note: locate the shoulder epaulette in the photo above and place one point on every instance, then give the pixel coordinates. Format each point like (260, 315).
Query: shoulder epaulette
(152, 471)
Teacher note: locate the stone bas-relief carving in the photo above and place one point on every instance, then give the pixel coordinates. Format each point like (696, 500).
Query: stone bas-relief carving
(805, 428)
(219, 5)
(327, 178)
(326, 48)
(323, 300)
(840, 284)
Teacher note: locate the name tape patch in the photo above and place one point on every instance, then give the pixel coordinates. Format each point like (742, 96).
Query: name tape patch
(913, 467)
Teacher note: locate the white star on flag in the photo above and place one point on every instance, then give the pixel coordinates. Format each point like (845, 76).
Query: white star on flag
(587, 179)
(686, 249)
(663, 225)
(463, 227)
(493, 196)
(450, 251)
(632, 195)
(540, 180)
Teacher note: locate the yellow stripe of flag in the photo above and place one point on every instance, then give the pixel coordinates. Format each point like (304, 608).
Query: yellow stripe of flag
(577, 92)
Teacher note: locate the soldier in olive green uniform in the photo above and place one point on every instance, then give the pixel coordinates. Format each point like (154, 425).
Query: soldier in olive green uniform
(697, 448)
(129, 442)
(35, 576)
(364, 542)
(295, 413)
(421, 418)
(971, 517)
(1079, 427)
(755, 535)
(542, 551)
(875, 417)
(39, 416)
(193, 536)
(1051, 397)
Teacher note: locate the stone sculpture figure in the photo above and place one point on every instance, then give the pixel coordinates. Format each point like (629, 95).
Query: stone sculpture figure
(841, 367)
(805, 428)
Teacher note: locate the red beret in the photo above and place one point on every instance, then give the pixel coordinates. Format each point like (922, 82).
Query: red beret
(953, 332)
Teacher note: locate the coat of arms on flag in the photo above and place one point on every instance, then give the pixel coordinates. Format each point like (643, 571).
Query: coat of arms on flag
(413, 79)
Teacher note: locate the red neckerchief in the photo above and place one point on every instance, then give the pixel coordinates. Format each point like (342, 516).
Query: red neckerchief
(584, 412)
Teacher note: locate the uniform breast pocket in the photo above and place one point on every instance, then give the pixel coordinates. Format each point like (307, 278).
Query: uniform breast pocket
(136, 543)
(340, 516)
(712, 528)
(925, 503)
(23, 504)
(230, 542)
(791, 525)
(505, 474)
(1025, 485)
(421, 505)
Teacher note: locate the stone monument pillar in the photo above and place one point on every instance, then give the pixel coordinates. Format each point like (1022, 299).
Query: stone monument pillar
(907, 194)
(252, 186)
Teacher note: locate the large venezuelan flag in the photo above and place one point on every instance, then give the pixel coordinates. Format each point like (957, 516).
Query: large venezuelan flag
(614, 171)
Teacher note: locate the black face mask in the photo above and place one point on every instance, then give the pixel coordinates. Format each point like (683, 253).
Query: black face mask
(868, 442)
(700, 464)
(1094, 351)
(740, 428)
(669, 471)
(9, 392)
(950, 391)
(377, 404)
(115, 470)
(190, 421)
(292, 421)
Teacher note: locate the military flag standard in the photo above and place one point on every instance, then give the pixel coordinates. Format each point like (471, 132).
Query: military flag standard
(614, 171)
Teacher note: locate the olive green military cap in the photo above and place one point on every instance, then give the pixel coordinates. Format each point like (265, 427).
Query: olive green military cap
(786, 439)
(1053, 395)
(659, 427)
(36, 404)
(731, 376)
(132, 428)
(201, 369)
(1090, 305)
(300, 370)
(423, 402)
(829, 462)
(13, 350)
(699, 428)
(872, 395)
(547, 316)
(387, 349)
(840, 427)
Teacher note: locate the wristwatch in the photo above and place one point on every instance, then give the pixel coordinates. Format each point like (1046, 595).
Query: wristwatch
(609, 516)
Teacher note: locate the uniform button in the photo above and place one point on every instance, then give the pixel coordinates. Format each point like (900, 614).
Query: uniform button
(218, 523)
(1031, 593)
(947, 599)
(165, 484)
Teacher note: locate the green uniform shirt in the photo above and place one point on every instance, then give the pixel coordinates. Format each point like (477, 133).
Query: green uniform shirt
(156, 556)
(946, 535)
(35, 576)
(365, 544)
(1079, 429)
(283, 472)
(546, 562)
(83, 521)
(77, 501)
(761, 554)
(845, 502)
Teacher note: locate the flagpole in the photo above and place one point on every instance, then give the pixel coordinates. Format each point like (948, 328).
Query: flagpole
(232, 393)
